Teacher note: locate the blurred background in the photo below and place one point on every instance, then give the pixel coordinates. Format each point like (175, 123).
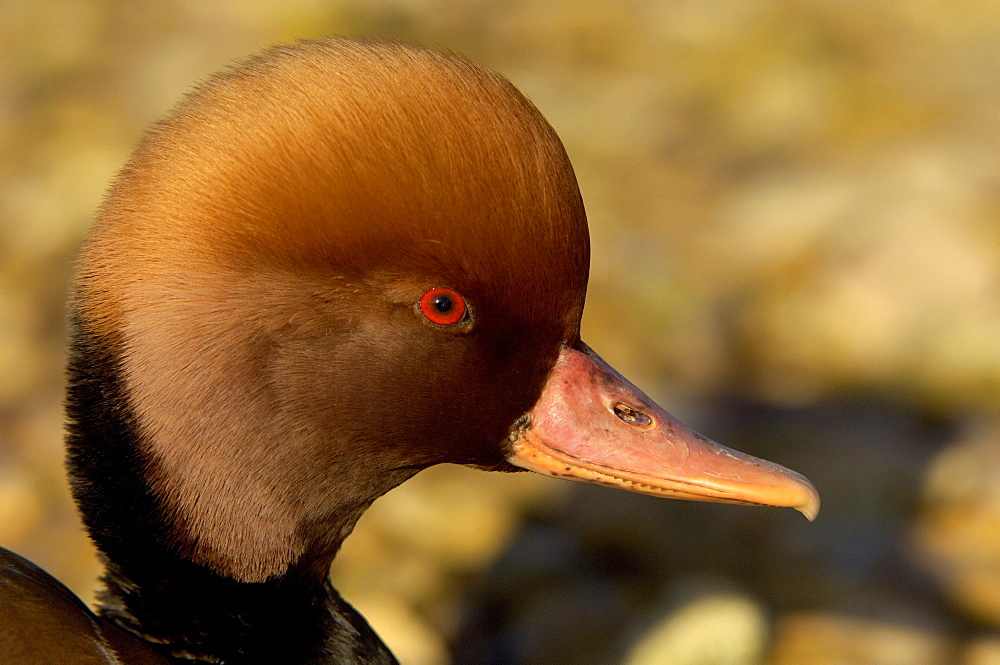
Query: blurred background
(795, 210)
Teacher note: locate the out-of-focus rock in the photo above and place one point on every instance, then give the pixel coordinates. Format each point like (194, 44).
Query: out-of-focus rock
(832, 639)
(958, 531)
(982, 651)
(722, 628)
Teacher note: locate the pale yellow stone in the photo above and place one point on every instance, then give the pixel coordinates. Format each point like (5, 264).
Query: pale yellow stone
(717, 628)
(833, 639)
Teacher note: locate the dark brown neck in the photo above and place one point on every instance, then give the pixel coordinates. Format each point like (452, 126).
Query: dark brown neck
(185, 610)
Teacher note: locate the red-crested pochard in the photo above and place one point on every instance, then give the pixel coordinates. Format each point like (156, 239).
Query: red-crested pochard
(329, 267)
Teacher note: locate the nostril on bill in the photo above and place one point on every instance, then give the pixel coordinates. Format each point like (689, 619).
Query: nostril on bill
(631, 416)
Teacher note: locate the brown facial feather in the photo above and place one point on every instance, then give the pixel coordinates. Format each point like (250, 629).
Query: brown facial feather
(257, 263)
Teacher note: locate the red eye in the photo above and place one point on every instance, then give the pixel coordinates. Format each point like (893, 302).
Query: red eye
(443, 306)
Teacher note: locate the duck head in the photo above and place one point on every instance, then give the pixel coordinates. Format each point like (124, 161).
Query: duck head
(328, 268)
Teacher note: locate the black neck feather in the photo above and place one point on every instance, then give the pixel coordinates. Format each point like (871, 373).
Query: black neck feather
(186, 611)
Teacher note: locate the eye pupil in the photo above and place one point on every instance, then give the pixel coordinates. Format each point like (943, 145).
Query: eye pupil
(443, 304)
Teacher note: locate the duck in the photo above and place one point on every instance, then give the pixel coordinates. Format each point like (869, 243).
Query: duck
(333, 265)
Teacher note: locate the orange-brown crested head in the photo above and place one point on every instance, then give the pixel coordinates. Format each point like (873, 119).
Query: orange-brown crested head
(330, 266)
